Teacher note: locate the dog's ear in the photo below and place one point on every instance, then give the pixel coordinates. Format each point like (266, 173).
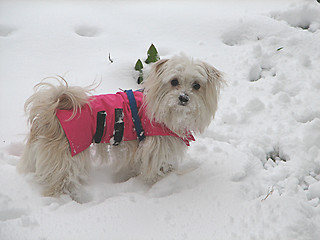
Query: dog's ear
(214, 82)
(215, 77)
(159, 66)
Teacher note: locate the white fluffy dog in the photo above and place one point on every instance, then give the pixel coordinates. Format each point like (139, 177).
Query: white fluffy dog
(180, 95)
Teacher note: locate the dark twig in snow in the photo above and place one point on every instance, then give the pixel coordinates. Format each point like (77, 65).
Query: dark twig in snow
(110, 58)
(269, 194)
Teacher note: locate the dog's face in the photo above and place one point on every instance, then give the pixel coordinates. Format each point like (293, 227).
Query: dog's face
(182, 93)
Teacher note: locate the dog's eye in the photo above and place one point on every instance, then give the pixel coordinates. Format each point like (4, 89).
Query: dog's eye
(196, 86)
(174, 82)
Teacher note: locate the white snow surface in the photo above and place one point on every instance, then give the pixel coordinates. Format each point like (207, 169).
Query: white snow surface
(254, 174)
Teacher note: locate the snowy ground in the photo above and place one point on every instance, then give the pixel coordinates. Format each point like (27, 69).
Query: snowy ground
(254, 174)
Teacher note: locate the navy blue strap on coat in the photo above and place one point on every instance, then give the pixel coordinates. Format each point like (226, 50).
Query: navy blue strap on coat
(135, 115)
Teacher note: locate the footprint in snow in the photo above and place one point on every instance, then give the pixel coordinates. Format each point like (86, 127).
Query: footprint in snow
(306, 17)
(9, 214)
(5, 31)
(87, 31)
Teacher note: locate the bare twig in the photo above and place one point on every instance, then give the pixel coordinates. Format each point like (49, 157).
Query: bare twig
(269, 194)
(110, 58)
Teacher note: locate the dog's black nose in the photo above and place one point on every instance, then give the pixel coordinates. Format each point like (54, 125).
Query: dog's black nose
(184, 99)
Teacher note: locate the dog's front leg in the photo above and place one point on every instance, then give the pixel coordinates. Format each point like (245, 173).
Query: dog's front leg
(159, 155)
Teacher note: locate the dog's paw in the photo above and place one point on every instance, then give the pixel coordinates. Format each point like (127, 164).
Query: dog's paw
(166, 168)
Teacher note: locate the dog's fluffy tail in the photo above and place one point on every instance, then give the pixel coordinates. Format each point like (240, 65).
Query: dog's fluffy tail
(48, 97)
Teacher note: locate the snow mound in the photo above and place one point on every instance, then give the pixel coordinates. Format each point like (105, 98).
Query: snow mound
(305, 16)
(249, 29)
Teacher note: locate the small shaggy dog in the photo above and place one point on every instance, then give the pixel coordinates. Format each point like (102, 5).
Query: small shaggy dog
(145, 133)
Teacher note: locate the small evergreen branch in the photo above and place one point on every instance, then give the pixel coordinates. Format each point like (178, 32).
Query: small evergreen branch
(138, 67)
(153, 55)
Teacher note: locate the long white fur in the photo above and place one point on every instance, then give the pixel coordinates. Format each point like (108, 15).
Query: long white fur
(47, 153)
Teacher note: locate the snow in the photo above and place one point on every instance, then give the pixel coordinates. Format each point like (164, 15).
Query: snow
(254, 174)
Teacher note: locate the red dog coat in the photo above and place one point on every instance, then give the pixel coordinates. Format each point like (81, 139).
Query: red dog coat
(81, 129)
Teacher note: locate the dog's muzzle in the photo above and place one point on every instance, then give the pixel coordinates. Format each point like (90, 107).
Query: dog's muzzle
(183, 99)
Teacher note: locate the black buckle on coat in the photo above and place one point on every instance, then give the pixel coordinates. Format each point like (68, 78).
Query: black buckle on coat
(118, 126)
(101, 123)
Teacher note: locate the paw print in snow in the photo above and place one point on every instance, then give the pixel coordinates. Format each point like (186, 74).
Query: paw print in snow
(87, 31)
(5, 31)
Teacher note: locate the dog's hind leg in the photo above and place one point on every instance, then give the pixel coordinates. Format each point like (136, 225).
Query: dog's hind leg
(60, 173)
(27, 163)
(47, 154)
